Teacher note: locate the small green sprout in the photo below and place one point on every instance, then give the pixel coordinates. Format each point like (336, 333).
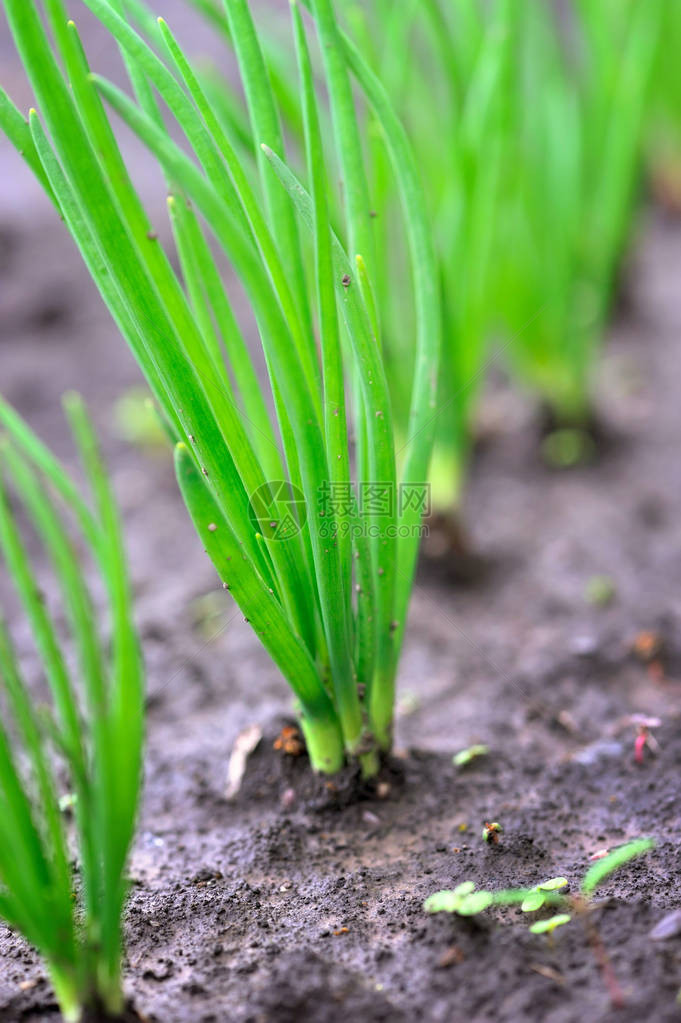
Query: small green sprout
(542, 894)
(566, 448)
(463, 900)
(466, 756)
(616, 859)
(491, 832)
(553, 884)
(600, 591)
(407, 704)
(549, 926)
(137, 421)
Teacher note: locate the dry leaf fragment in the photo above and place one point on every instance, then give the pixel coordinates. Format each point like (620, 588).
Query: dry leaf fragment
(244, 744)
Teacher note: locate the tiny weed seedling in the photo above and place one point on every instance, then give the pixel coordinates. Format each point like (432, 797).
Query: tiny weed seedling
(70, 773)
(567, 447)
(600, 591)
(644, 737)
(464, 900)
(547, 894)
(550, 925)
(320, 561)
(541, 894)
(491, 832)
(468, 755)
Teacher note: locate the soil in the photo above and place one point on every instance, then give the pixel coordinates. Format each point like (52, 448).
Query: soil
(300, 901)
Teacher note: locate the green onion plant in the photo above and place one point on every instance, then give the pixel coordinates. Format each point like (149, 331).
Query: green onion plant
(63, 887)
(527, 120)
(580, 95)
(452, 94)
(321, 569)
(664, 141)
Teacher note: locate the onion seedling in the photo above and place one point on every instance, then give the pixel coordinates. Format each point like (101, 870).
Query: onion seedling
(321, 569)
(580, 97)
(83, 752)
(664, 143)
(462, 900)
(528, 129)
(451, 98)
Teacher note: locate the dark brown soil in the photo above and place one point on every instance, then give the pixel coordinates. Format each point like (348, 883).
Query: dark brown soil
(296, 902)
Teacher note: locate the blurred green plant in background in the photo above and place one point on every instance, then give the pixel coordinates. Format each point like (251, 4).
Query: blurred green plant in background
(528, 120)
(580, 93)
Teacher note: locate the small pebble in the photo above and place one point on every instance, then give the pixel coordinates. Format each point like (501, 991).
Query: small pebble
(668, 927)
(603, 749)
(584, 645)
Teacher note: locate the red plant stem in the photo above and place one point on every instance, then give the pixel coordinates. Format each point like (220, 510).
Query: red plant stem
(639, 745)
(605, 966)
